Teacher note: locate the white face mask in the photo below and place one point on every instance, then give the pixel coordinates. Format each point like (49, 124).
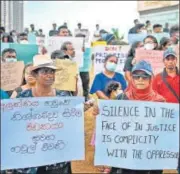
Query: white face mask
(23, 42)
(10, 60)
(144, 31)
(149, 46)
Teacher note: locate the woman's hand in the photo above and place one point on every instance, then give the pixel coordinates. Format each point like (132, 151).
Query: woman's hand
(88, 104)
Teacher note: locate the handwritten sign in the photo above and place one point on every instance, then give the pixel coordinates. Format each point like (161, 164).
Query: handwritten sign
(137, 135)
(65, 78)
(54, 43)
(155, 58)
(11, 75)
(100, 52)
(41, 131)
(132, 38)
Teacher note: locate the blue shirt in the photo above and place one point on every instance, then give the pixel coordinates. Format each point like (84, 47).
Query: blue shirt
(101, 81)
(4, 95)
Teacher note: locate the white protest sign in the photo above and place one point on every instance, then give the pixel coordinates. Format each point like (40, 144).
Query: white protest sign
(100, 52)
(137, 135)
(41, 131)
(54, 43)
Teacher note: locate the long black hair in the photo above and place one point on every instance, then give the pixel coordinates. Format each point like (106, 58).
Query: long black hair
(132, 50)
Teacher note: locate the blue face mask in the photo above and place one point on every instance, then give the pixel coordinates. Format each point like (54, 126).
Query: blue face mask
(110, 66)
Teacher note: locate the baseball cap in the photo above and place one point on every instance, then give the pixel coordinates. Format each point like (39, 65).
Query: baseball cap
(169, 52)
(143, 66)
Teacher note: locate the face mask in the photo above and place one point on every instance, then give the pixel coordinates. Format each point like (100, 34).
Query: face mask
(11, 60)
(24, 42)
(149, 46)
(111, 66)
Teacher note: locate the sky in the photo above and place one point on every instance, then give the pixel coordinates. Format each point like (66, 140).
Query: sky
(108, 14)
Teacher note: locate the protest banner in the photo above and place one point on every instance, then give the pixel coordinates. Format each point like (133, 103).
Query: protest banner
(100, 52)
(65, 78)
(137, 135)
(25, 52)
(159, 36)
(54, 43)
(132, 38)
(11, 75)
(4, 46)
(154, 57)
(41, 131)
(84, 32)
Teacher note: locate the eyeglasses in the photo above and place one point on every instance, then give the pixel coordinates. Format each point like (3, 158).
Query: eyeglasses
(138, 76)
(46, 71)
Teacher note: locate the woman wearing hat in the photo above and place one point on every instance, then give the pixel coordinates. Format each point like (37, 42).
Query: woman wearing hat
(43, 71)
(140, 89)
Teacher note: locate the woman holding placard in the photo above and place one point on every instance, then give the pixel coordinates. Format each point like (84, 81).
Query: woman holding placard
(43, 71)
(140, 89)
(103, 79)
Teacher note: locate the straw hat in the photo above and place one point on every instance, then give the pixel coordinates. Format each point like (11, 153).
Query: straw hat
(42, 61)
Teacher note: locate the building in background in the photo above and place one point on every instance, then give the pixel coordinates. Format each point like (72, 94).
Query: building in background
(159, 12)
(12, 15)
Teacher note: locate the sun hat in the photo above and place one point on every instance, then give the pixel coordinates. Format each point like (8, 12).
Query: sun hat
(42, 61)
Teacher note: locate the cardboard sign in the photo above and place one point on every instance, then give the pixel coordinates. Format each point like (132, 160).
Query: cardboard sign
(137, 135)
(155, 58)
(41, 131)
(100, 52)
(54, 43)
(65, 78)
(11, 75)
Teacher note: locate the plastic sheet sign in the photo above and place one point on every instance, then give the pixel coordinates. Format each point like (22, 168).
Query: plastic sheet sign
(41, 131)
(137, 135)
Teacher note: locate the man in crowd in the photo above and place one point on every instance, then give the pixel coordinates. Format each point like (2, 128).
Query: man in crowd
(148, 27)
(157, 28)
(54, 31)
(33, 30)
(63, 31)
(23, 38)
(97, 32)
(40, 33)
(79, 26)
(132, 30)
(174, 33)
(2, 31)
(167, 82)
(9, 55)
(166, 29)
(58, 54)
(68, 50)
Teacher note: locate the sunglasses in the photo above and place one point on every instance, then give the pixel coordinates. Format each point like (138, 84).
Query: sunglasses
(46, 71)
(138, 76)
